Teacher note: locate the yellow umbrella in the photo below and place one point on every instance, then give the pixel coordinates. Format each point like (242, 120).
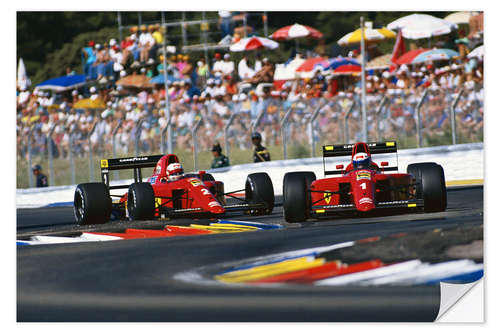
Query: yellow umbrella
(371, 35)
(88, 103)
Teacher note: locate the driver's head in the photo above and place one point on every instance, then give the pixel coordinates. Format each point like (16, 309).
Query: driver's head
(361, 161)
(175, 171)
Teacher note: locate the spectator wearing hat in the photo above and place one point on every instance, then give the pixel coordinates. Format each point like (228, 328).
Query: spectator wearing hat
(227, 67)
(260, 153)
(41, 179)
(217, 67)
(220, 160)
(90, 58)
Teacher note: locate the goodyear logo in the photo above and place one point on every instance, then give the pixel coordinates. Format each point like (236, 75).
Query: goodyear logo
(363, 175)
(104, 163)
(328, 147)
(327, 196)
(195, 182)
(389, 144)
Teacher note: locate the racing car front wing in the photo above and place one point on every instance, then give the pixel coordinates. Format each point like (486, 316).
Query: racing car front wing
(317, 211)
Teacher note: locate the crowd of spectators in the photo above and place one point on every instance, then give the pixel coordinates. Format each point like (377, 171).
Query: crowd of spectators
(212, 93)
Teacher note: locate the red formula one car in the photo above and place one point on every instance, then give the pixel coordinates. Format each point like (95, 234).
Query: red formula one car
(167, 193)
(363, 186)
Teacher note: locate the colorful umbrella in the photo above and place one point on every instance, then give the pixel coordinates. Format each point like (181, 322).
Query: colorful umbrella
(345, 69)
(89, 103)
(160, 79)
(417, 26)
(134, 80)
(253, 43)
(408, 57)
(435, 55)
(334, 63)
(23, 80)
(296, 31)
(478, 52)
(309, 64)
(371, 35)
(380, 62)
(63, 83)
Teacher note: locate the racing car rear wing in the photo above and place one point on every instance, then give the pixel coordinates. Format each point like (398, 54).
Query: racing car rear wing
(346, 150)
(136, 163)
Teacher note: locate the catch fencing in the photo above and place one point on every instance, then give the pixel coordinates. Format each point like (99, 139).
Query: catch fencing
(293, 128)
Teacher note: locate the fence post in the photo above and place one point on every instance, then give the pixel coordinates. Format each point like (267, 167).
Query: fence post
(346, 125)
(71, 159)
(91, 167)
(226, 129)
(163, 132)
(113, 133)
(452, 117)
(51, 155)
(195, 143)
(258, 119)
(30, 173)
(137, 137)
(418, 123)
(379, 110)
(311, 126)
(283, 127)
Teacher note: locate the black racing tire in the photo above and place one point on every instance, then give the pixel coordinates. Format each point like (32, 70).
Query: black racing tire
(430, 185)
(140, 201)
(296, 196)
(259, 190)
(92, 204)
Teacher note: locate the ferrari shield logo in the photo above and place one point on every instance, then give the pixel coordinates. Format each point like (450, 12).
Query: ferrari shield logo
(327, 196)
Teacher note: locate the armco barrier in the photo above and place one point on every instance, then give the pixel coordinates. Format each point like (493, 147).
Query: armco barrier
(460, 162)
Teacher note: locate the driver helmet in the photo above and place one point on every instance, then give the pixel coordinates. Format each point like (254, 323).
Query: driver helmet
(361, 161)
(175, 171)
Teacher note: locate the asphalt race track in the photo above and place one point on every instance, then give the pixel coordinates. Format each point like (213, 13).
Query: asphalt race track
(133, 280)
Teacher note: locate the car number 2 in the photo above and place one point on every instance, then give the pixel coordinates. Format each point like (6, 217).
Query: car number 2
(205, 191)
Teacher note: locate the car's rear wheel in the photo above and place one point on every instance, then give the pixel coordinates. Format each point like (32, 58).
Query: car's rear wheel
(296, 195)
(140, 201)
(430, 185)
(259, 190)
(92, 203)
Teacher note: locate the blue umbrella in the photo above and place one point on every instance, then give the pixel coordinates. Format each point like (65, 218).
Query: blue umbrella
(435, 55)
(63, 83)
(160, 79)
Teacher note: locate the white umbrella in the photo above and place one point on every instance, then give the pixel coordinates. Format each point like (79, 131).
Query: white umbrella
(23, 80)
(253, 43)
(417, 26)
(478, 52)
(459, 17)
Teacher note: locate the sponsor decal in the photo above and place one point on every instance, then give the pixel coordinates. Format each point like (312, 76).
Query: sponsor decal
(157, 202)
(195, 182)
(365, 200)
(328, 196)
(133, 159)
(152, 180)
(363, 175)
(213, 204)
(104, 163)
(158, 169)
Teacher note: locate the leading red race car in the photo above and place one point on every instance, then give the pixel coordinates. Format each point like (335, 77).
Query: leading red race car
(363, 186)
(167, 193)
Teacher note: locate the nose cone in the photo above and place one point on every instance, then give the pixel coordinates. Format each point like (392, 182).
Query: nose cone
(365, 204)
(217, 209)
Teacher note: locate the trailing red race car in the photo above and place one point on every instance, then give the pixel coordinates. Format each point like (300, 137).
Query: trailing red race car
(167, 193)
(363, 186)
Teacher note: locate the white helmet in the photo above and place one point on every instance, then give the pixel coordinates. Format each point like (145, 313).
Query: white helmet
(361, 161)
(175, 171)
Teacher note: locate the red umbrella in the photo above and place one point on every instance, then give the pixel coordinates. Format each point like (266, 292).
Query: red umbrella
(309, 64)
(408, 57)
(253, 43)
(296, 31)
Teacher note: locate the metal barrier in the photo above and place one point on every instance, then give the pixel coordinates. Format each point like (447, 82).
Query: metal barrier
(418, 118)
(381, 105)
(283, 127)
(52, 179)
(163, 133)
(346, 124)
(138, 131)
(452, 118)
(30, 173)
(226, 130)
(91, 159)
(310, 124)
(195, 128)
(71, 157)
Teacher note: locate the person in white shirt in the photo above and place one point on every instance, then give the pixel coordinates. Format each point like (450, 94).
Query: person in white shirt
(244, 71)
(217, 67)
(146, 42)
(227, 66)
